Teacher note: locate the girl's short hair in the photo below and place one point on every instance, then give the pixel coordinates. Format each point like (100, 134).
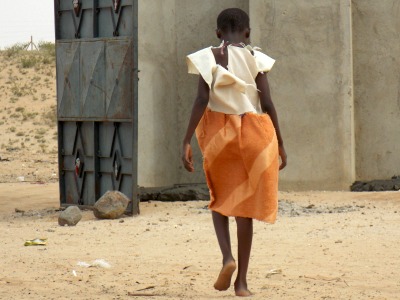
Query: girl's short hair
(233, 20)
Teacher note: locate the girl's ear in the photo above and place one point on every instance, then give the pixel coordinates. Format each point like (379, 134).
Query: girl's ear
(247, 33)
(218, 33)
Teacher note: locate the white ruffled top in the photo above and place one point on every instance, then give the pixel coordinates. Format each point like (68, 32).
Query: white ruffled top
(232, 90)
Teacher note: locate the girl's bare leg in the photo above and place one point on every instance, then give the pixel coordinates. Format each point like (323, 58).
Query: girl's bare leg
(245, 238)
(221, 225)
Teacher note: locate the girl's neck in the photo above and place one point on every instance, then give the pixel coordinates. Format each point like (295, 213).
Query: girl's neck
(234, 38)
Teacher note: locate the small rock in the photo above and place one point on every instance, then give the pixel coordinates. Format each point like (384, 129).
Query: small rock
(71, 216)
(338, 242)
(111, 205)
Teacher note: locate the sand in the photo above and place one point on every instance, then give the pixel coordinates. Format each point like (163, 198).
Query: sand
(325, 245)
(28, 131)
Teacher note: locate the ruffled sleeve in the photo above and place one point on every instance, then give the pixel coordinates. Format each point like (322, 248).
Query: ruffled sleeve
(202, 62)
(226, 78)
(263, 61)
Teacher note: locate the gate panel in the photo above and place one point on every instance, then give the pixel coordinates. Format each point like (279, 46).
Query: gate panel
(92, 79)
(77, 161)
(96, 46)
(68, 101)
(115, 157)
(119, 89)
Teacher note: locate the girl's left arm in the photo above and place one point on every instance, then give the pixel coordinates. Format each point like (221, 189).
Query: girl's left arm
(198, 109)
(268, 107)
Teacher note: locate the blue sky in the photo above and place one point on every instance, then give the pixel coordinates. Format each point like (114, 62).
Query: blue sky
(19, 19)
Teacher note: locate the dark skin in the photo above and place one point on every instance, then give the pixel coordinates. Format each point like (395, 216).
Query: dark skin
(221, 222)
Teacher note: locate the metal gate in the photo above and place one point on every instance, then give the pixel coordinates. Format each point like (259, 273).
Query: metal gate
(96, 48)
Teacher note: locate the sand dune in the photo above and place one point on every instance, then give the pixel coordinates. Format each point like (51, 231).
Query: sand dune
(28, 134)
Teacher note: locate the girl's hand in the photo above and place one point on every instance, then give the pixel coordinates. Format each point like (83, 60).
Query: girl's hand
(187, 157)
(283, 156)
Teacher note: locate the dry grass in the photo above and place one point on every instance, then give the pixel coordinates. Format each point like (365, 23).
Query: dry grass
(25, 77)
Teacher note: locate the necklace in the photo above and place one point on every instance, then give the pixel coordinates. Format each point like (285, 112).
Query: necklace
(227, 43)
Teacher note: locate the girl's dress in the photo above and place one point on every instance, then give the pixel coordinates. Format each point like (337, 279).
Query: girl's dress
(237, 140)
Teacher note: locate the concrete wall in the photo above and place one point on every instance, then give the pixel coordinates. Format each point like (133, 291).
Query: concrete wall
(332, 135)
(311, 86)
(157, 93)
(376, 27)
(168, 31)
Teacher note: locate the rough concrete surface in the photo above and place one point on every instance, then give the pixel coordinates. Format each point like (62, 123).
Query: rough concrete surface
(157, 140)
(311, 87)
(168, 31)
(376, 46)
(336, 86)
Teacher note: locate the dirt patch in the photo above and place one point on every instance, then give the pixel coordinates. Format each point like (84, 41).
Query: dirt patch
(293, 209)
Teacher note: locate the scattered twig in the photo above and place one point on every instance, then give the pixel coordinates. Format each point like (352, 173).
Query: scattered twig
(319, 277)
(142, 295)
(134, 294)
(146, 288)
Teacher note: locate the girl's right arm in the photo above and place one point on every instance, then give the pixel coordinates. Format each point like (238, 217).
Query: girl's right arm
(268, 107)
(198, 109)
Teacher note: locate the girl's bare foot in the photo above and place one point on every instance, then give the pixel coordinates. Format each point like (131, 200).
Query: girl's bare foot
(225, 275)
(241, 290)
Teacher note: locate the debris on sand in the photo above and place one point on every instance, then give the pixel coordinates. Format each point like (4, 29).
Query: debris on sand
(100, 263)
(36, 242)
(273, 272)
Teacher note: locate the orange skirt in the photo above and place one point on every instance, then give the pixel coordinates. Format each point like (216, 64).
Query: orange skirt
(241, 164)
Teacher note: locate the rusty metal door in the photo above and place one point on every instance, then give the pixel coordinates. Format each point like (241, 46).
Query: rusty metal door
(96, 47)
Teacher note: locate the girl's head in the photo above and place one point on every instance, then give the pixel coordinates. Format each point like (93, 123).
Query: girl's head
(233, 20)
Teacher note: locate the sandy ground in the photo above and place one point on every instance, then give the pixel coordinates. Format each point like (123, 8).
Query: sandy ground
(327, 245)
(28, 132)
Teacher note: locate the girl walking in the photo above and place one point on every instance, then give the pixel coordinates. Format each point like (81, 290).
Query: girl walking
(238, 133)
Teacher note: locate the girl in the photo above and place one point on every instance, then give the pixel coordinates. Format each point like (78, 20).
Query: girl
(238, 133)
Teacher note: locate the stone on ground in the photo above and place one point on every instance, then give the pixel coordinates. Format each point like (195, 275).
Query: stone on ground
(175, 193)
(70, 216)
(111, 205)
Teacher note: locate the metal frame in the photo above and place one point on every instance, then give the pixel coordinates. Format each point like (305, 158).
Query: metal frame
(116, 156)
